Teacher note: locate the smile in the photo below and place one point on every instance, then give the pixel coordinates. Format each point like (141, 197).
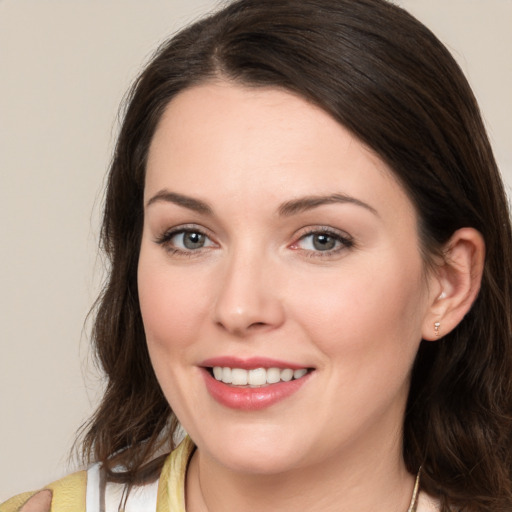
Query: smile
(253, 384)
(256, 377)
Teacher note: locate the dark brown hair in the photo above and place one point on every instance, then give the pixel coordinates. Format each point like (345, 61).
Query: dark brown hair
(387, 78)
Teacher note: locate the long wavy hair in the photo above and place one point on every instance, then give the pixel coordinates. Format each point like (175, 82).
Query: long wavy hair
(388, 79)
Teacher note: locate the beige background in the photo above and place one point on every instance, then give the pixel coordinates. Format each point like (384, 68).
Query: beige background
(64, 66)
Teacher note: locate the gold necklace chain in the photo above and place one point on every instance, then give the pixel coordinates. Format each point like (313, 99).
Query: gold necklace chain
(414, 498)
(415, 494)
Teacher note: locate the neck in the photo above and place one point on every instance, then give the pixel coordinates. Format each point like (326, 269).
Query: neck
(368, 479)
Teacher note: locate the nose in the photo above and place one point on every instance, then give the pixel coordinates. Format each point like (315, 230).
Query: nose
(248, 299)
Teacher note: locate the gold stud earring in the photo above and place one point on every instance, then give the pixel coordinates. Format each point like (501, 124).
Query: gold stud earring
(436, 328)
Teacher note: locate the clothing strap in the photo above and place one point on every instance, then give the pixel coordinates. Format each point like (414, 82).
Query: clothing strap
(103, 496)
(171, 491)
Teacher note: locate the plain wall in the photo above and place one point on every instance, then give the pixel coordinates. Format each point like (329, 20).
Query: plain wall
(64, 67)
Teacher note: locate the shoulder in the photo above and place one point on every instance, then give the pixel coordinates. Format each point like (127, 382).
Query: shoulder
(65, 494)
(74, 491)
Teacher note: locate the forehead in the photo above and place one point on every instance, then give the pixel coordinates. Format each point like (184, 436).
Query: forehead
(223, 141)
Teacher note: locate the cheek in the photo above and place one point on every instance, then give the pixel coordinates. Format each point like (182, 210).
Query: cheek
(371, 311)
(171, 304)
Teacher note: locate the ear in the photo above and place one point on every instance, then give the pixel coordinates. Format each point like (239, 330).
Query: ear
(455, 283)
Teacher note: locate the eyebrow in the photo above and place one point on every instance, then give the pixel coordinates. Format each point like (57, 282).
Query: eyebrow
(289, 208)
(181, 200)
(303, 204)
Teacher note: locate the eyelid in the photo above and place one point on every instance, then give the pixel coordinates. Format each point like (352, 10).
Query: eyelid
(345, 240)
(166, 236)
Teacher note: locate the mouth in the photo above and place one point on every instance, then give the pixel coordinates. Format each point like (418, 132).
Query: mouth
(253, 384)
(256, 377)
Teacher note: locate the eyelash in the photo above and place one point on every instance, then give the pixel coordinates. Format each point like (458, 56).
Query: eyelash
(166, 237)
(344, 242)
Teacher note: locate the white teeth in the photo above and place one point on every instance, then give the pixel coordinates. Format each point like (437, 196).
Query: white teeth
(273, 375)
(287, 375)
(239, 376)
(226, 375)
(297, 374)
(257, 376)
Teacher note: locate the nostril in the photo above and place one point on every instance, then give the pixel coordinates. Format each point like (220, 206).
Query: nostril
(258, 324)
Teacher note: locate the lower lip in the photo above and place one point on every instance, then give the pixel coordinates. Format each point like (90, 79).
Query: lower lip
(251, 399)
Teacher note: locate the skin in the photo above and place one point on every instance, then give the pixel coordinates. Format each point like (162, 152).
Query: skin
(40, 502)
(260, 287)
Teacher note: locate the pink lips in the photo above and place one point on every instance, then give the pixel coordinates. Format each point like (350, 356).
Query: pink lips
(250, 399)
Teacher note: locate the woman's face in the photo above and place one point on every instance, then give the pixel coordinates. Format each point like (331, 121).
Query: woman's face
(276, 246)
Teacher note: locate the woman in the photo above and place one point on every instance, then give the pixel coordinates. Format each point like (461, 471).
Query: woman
(297, 216)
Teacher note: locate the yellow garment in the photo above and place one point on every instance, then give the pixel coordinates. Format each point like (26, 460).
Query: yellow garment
(69, 492)
(171, 487)
(16, 502)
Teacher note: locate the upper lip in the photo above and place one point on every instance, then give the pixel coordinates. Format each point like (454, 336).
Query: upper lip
(250, 363)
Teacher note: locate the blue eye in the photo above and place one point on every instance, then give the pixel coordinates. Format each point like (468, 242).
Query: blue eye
(323, 241)
(189, 240)
(185, 240)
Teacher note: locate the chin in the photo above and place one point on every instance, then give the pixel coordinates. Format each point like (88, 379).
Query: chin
(250, 451)
(261, 463)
